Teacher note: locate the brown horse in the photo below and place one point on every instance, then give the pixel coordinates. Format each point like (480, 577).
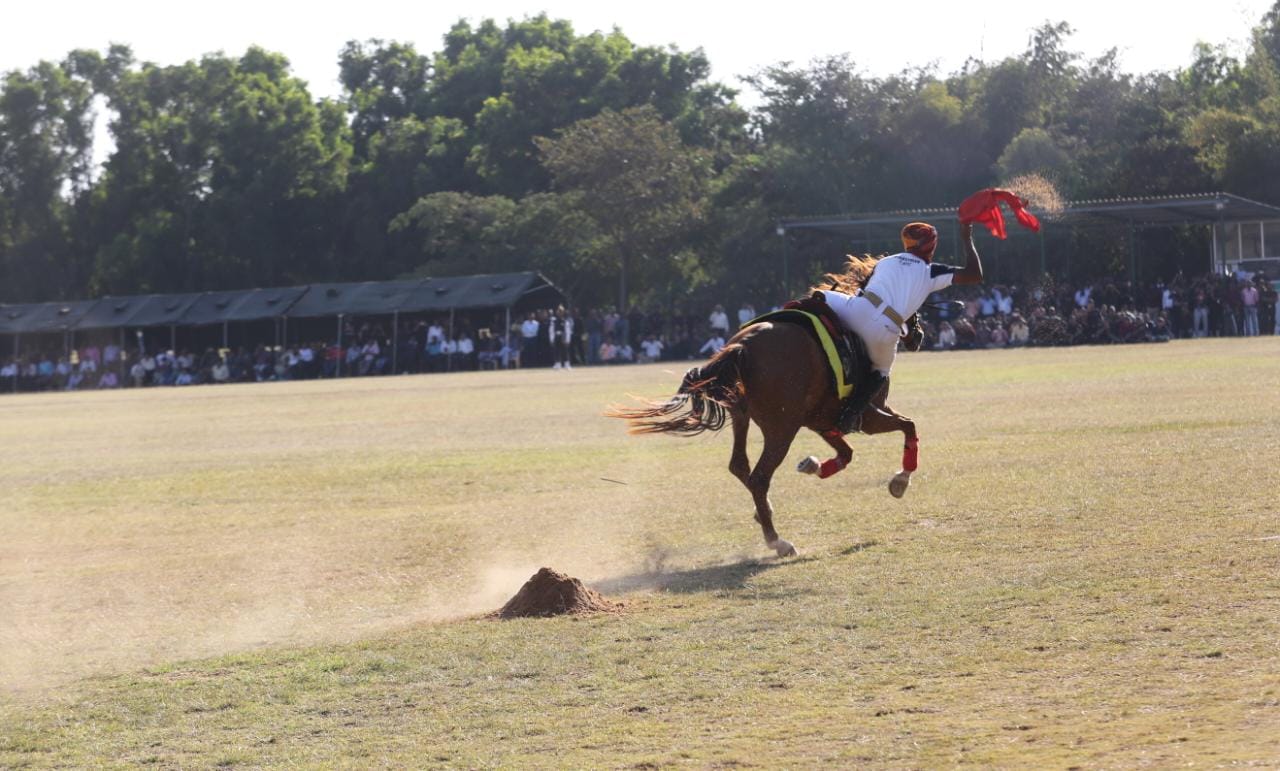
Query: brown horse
(776, 375)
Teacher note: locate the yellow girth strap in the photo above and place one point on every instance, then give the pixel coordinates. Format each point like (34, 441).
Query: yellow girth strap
(843, 389)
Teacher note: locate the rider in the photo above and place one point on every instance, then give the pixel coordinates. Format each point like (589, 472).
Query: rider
(899, 285)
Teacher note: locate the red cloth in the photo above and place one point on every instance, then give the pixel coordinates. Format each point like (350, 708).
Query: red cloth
(983, 207)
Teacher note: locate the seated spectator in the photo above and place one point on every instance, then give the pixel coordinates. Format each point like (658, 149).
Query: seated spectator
(109, 380)
(490, 354)
(1019, 332)
(714, 343)
(220, 372)
(999, 337)
(651, 349)
(9, 375)
(946, 337)
(608, 353)
(138, 374)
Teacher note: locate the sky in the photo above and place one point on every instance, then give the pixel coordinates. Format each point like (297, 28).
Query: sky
(738, 38)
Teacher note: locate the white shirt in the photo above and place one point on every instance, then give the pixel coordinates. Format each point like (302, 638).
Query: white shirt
(713, 345)
(529, 328)
(652, 348)
(904, 281)
(435, 331)
(718, 320)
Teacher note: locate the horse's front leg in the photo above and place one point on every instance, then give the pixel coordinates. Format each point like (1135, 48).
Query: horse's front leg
(879, 419)
(824, 469)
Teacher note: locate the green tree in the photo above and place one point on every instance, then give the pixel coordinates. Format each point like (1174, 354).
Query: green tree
(631, 176)
(46, 143)
(224, 175)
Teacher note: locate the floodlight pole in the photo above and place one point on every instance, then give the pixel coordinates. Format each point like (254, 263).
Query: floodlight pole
(786, 263)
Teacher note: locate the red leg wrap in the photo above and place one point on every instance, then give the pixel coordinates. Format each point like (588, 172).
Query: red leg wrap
(831, 466)
(911, 454)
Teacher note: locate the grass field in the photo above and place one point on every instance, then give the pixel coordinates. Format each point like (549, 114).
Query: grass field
(1084, 573)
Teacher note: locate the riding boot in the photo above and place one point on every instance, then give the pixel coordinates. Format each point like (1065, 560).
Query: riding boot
(850, 418)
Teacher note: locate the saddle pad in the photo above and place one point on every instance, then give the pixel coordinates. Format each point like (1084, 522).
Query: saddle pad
(840, 357)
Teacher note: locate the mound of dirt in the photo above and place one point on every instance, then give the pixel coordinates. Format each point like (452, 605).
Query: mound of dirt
(551, 593)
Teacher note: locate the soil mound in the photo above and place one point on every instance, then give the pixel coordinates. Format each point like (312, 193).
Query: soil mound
(551, 593)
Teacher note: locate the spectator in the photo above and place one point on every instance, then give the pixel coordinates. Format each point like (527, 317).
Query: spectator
(719, 321)
(1019, 332)
(109, 380)
(1249, 297)
(714, 343)
(220, 372)
(650, 349)
(745, 314)
(946, 337)
(608, 351)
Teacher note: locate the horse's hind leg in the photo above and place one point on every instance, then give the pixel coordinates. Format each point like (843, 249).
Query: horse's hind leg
(882, 419)
(844, 454)
(739, 465)
(776, 444)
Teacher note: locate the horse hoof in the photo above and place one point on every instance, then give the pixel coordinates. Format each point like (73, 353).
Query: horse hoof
(809, 465)
(898, 485)
(783, 548)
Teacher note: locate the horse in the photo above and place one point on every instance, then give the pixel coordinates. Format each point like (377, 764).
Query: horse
(775, 375)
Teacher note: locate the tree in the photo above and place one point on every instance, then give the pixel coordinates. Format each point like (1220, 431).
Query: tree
(223, 176)
(46, 143)
(631, 176)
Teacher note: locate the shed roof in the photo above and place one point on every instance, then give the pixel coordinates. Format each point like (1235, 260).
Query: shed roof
(1198, 208)
(43, 317)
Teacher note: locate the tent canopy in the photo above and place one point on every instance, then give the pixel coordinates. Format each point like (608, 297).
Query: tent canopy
(34, 318)
(502, 290)
(366, 298)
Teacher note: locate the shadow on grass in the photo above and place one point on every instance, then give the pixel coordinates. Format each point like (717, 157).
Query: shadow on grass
(716, 578)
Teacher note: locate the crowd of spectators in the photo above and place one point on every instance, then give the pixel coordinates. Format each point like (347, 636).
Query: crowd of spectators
(1106, 312)
(999, 316)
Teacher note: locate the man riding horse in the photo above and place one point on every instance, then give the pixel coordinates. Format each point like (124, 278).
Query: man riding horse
(898, 287)
(776, 375)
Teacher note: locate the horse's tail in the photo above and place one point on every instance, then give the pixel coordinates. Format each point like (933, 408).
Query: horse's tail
(701, 404)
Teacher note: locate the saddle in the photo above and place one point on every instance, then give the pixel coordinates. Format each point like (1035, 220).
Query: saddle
(847, 356)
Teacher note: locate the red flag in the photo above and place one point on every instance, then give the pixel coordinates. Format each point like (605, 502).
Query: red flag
(983, 207)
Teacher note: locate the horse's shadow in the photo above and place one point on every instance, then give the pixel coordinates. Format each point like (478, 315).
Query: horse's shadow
(731, 578)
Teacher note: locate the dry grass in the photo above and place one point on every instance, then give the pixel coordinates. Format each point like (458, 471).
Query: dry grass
(1084, 573)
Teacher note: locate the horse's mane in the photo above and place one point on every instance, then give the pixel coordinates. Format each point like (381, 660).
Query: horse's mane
(857, 271)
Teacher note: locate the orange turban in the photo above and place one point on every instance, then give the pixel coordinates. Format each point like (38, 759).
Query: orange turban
(920, 238)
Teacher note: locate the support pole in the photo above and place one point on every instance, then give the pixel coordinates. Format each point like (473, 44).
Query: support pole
(17, 338)
(449, 358)
(342, 352)
(225, 344)
(395, 342)
(1133, 257)
(173, 338)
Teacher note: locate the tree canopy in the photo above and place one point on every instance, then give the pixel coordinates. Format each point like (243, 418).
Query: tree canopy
(621, 171)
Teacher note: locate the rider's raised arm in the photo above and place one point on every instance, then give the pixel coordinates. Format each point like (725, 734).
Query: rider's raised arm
(971, 273)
